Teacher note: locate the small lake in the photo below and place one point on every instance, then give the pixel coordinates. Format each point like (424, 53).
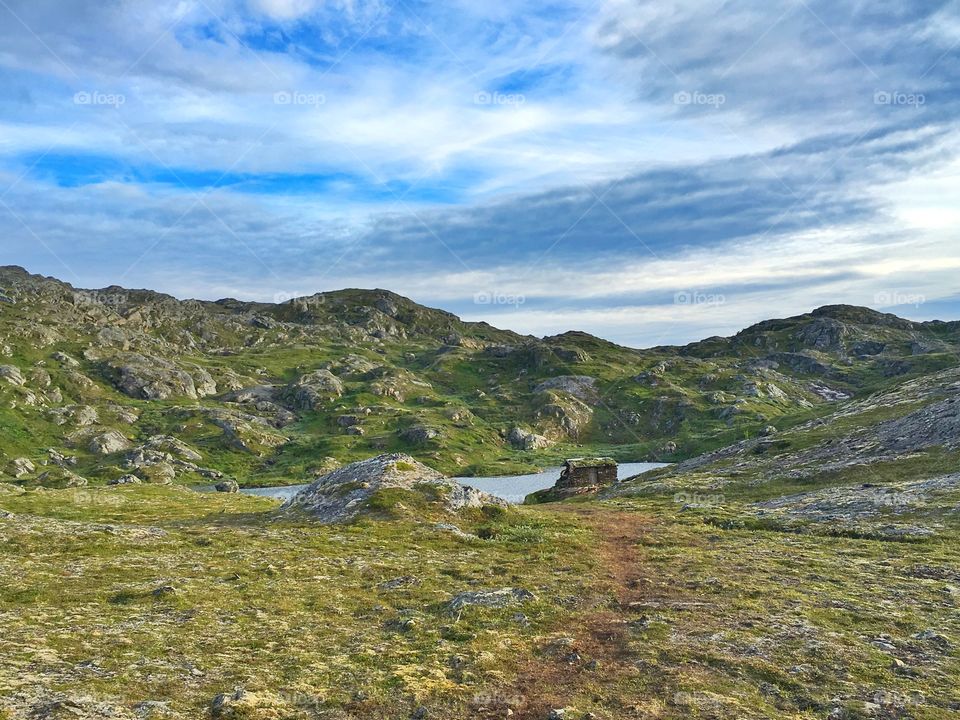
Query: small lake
(512, 488)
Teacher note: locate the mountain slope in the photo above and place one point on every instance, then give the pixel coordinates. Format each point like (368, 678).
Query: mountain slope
(111, 383)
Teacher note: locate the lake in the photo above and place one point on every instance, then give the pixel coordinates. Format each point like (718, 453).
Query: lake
(512, 488)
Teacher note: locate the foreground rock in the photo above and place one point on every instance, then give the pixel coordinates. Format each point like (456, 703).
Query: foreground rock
(382, 483)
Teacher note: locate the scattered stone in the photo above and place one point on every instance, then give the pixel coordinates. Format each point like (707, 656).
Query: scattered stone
(125, 480)
(227, 486)
(456, 531)
(490, 598)
(12, 375)
(22, 467)
(400, 582)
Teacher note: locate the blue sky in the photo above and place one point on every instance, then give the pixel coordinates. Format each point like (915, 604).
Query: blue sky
(650, 172)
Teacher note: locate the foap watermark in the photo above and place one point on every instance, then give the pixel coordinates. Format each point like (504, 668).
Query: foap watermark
(96, 297)
(498, 98)
(686, 97)
(498, 298)
(892, 298)
(302, 701)
(497, 699)
(100, 99)
(300, 299)
(300, 99)
(699, 500)
(899, 99)
(89, 498)
(696, 298)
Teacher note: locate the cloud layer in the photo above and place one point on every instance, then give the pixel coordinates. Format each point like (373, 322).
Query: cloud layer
(650, 172)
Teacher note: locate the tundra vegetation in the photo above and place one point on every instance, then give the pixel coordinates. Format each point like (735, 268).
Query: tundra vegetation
(799, 560)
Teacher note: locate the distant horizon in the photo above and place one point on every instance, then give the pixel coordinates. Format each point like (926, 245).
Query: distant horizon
(733, 330)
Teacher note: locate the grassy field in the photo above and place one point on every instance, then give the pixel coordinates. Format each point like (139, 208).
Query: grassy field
(641, 609)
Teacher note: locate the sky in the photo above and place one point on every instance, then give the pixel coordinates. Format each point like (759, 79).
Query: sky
(650, 172)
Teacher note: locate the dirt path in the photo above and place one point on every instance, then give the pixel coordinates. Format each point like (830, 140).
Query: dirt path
(603, 637)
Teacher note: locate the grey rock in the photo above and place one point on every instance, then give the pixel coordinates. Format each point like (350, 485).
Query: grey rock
(315, 390)
(343, 494)
(227, 486)
(12, 375)
(526, 440)
(108, 443)
(153, 378)
(21, 467)
(490, 598)
(582, 387)
(419, 434)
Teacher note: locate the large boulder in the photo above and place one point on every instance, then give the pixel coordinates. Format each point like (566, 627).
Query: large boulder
(372, 485)
(419, 434)
(20, 467)
(108, 442)
(315, 390)
(12, 374)
(526, 440)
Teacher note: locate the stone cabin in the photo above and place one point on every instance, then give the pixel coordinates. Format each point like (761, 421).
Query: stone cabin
(580, 476)
(587, 473)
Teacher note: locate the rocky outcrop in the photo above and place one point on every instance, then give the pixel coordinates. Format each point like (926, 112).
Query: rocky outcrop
(570, 415)
(153, 378)
(21, 467)
(315, 390)
(12, 374)
(419, 434)
(368, 486)
(526, 440)
(108, 442)
(582, 387)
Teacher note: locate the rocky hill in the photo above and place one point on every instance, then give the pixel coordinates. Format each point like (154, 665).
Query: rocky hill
(888, 464)
(126, 386)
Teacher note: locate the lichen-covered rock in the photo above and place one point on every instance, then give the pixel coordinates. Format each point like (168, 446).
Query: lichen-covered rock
(108, 443)
(315, 390)
(154, 378)
(12, 374)
(360, 487)
(60, 478)
(490, 598)
(161, 473)
(526, 440)
(21, 467)
(571, 415)
(173, 446)
(419, 434)
(582, 387)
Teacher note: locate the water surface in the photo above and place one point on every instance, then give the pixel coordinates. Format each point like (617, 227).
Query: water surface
(512, 488)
